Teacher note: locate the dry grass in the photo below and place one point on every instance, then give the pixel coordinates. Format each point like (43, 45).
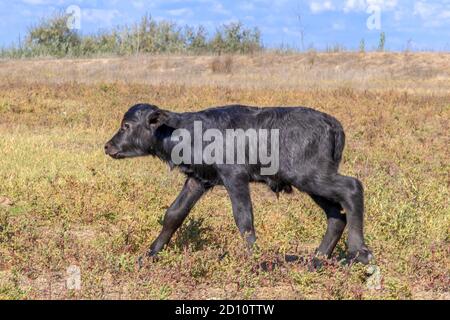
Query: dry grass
(222, 64)
(64, 203)
(426, 73)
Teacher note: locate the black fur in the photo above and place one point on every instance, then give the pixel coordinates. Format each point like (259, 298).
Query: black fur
(311, 146)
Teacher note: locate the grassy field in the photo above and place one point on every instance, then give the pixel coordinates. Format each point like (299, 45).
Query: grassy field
(63, 202)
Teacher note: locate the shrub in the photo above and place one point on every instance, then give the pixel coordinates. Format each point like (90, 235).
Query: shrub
(362, 46)
(52, 37)
(234, 38)
(222, 64)
(382, 42)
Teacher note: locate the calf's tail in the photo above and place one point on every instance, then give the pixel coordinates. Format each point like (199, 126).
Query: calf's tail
(339, 143)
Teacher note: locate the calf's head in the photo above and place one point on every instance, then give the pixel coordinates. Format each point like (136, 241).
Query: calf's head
(136, 136)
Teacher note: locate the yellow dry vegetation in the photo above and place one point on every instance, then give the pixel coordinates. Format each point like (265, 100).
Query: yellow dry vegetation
(69, 204)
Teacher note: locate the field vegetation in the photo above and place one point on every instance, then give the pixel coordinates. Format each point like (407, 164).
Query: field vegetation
(64, 203)
(53, 37)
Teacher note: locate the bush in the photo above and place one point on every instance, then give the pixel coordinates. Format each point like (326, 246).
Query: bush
(52, 37)
(196, 39)
(222, 64)
(382, 42)
(234, 38)
(362, 46)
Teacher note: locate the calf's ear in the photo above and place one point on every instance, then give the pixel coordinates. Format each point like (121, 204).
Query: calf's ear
(156, 118)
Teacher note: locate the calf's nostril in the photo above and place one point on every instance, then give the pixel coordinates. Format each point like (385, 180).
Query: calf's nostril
(111, 149)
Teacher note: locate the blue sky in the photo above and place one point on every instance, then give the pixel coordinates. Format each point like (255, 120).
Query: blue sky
(420, 25)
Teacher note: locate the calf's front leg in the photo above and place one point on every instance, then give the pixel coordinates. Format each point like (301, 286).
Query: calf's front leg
(192, 191)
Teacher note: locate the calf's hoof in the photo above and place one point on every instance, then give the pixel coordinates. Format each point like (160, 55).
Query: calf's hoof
(362, 255)
(149, 256)
(318, 261)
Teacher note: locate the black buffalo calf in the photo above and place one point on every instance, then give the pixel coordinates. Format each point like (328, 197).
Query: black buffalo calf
(305, 151)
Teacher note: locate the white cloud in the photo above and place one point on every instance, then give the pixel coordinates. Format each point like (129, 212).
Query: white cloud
(217, 7)
(49, 2)
(102, 16)
(316, 6)
(362, 5)
(180, 12)
(338, 26)
(445, 14)
(139, 4)
(35, 1)
(249, 18)
(423, 9)
(355, 5)
(433, 14)
(26, 13)
(291, 32)
(247, 6)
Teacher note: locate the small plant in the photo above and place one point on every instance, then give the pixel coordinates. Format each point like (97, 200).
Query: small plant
(382, 42)
(362, 46)
(311, 56)
(408, 47)
(335, 48)
(222, 64)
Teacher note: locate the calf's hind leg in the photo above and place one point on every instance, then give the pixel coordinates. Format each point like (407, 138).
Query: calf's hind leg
(348, 192)
(352, 200)
(336, 222)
